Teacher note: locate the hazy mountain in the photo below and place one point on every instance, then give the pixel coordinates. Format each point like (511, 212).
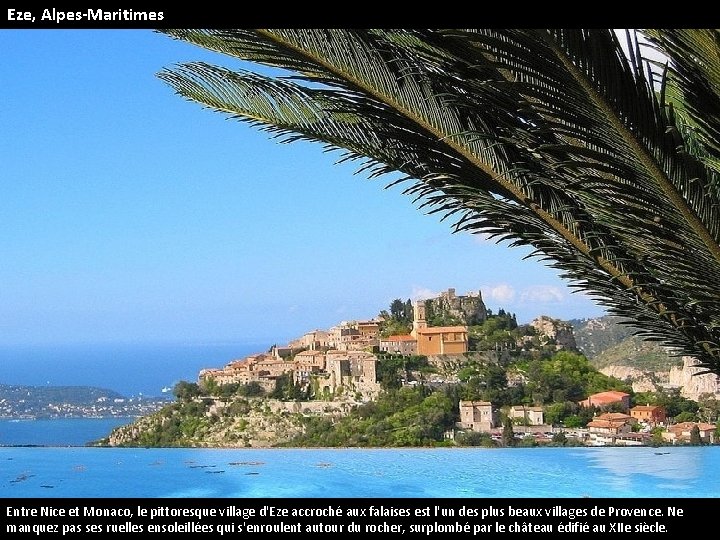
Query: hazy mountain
(606, 341)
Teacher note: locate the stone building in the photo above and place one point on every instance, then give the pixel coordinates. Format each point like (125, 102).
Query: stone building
(314, 340)
(403, 344)
(649, 414)
(434, 340)
(603, 400)
(682, 432)
(333, 371)
(529, 416)
(476, 416)
(307, 363)
(355, 371)
(263, 369)
(609, 427)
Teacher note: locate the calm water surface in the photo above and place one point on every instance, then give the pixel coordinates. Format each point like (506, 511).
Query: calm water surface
(57, 432)
(432, 473)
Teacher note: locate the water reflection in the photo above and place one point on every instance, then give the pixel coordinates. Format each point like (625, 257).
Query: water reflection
(668, 463)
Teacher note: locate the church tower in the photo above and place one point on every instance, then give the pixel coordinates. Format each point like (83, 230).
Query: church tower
(419, 321)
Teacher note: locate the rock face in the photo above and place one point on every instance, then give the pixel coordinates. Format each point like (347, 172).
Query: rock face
(691, 384)
(641, 381)
(559, 331)
(469, 309)
(251, 423)
(686, 378)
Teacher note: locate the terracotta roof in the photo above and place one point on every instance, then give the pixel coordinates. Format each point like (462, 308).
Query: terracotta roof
(687, 426)
(607, 423)
(610, 393)
(615, 416)
(238, 363)
(611, 396)
(602, 424)
(474, 403)
(648, 408)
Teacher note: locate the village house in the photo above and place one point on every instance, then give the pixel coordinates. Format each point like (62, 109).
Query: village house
(369, 329)
(314, 340)
(354, 371)
(527, 416)
(360, 335)
(476, 416)
(603, 400)
(269, 366)
(261, 368)
(610, 428)
(307, 363)
(342, 336)
(652, 415)
(403, 344)
(681, 433)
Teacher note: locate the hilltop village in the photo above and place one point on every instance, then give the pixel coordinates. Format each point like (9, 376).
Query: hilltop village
(344, 358)
(445, 370)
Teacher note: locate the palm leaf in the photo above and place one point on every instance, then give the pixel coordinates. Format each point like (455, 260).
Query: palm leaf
(552, 139)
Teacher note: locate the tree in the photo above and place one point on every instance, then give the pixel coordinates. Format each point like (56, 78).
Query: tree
(186, 391)
(606, 163)
(508, 435)
(559, 438)
(656, 438)
(286, 389)
(401, 311)
(695, 439)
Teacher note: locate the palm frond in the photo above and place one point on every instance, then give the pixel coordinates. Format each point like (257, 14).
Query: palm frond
(548, 138)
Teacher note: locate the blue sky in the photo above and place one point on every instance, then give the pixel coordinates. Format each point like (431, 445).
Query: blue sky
(129, 214)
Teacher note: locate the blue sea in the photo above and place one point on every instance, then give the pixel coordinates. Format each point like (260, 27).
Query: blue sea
(57, 465)
(57, 432)
(130, 369)
(683, 472)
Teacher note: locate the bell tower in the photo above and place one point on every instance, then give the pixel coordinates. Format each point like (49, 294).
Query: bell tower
(419, 321)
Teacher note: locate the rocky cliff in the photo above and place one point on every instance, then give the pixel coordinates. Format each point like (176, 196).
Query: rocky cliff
(468, 309)
(641, 381)
(692, 384)
(559, 331)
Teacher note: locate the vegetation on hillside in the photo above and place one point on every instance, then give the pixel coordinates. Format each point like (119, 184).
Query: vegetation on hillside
(398, 320)
(409, 416)
(419, 402)
(638, 353)
(609, 341)
(593, 336)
